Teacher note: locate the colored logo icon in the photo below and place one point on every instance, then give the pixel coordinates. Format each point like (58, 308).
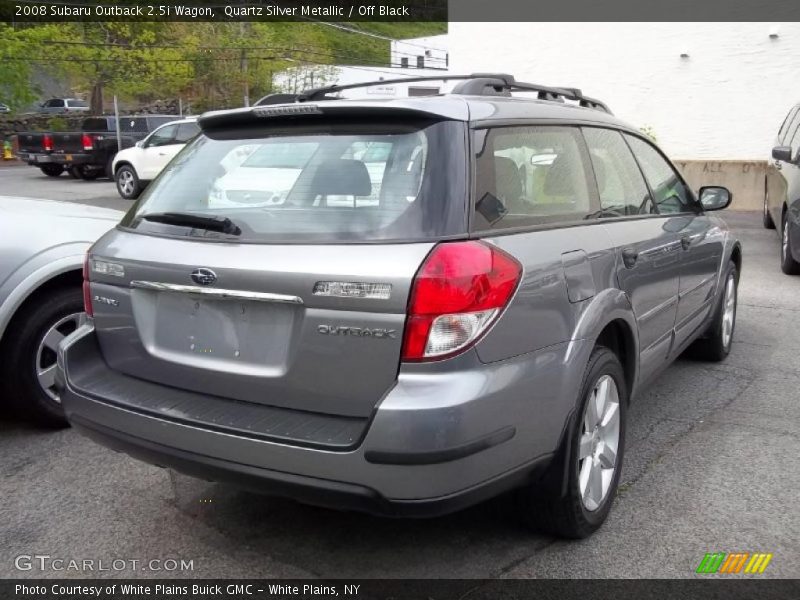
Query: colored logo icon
(735, 562)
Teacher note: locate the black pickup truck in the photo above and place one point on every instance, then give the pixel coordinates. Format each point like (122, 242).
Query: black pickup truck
(87, 153)
(34, 148)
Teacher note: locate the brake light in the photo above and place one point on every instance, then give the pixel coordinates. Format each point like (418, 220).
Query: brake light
(87, 142)
(458, 292)
(87, 293)
(47, 142)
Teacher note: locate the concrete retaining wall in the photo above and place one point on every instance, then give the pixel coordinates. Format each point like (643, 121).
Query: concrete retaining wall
(745, 178)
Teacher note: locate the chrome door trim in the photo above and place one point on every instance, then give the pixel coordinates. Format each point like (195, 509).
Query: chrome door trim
(216, 293)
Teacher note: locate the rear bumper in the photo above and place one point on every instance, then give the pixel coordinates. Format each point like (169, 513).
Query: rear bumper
(433, 445)
(310, 490)
(32, 158)
(72, 159)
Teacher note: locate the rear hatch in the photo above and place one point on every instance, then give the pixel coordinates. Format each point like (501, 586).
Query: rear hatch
(271, 263)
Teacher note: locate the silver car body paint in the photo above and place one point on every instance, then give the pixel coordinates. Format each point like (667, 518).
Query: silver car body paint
(42, 239)
(177, 380)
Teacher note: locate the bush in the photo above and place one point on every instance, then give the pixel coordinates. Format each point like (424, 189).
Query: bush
(57, 124)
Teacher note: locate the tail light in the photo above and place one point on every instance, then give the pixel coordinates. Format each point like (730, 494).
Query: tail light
(48, 142)
(87, 142)
(458, 292)
(87, 293)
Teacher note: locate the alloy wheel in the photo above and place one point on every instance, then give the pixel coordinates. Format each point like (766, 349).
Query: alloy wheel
(599, 443)
(125, 182)
(729, 310)
(785, 241)
(46, 354)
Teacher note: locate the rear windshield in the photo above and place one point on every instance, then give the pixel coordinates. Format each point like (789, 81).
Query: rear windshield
(335, 183)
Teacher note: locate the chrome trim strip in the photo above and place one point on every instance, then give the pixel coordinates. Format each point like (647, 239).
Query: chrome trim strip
(216, 293)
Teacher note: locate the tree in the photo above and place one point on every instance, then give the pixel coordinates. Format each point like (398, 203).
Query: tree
(16, 89)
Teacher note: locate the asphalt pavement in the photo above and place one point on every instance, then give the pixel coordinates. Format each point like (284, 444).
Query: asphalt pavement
(22, 180)
(712, 464)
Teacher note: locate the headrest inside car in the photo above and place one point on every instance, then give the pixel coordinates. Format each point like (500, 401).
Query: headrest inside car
(341, 177)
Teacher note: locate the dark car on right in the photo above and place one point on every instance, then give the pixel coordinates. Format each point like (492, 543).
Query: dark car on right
(782, 197)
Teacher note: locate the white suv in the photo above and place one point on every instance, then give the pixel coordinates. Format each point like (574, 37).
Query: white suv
(135, 167)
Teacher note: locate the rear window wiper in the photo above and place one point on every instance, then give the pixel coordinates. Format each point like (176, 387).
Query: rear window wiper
(210, 223)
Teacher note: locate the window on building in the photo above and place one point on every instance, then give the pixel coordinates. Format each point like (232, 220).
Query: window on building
(404, 62)
(422, 91)
(420, 62)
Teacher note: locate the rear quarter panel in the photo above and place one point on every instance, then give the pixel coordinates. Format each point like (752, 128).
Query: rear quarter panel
(35, 247)
(541, 313)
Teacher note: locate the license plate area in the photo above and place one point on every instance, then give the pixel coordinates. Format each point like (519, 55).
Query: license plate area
(225, 334)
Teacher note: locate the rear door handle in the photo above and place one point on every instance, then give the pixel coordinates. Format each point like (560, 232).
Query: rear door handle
(686, 241)
(629, 257)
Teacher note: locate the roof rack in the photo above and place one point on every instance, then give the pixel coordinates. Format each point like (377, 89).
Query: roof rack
(476, 84)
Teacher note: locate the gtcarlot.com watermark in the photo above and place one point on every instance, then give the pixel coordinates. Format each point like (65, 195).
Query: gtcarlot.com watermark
(48, 563)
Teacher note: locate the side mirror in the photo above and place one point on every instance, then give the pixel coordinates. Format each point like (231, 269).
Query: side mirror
(140, 144)
(715, 197)
(783, 153)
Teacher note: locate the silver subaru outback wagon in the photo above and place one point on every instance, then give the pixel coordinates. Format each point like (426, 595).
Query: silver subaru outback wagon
(402, 306)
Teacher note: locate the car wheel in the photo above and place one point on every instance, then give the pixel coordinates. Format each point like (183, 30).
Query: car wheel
(597, 443)
(767, 218)
(29, 360)
(88, 174)
(128, 184)
(52, 170)
(788, 264)
(109, 172)
(716, 344)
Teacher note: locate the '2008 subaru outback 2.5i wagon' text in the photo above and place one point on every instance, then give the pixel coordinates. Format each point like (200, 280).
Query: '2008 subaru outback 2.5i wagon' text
(402, 306)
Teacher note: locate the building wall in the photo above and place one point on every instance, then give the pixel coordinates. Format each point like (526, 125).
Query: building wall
(724, 101)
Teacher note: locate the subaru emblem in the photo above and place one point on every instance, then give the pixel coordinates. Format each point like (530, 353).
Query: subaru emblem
(204, 276)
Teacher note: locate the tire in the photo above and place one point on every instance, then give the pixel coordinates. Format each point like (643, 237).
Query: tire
(716, 344)
(30, 349)
(577, 514)
(766, 217)
(128, 184)
(109, 172)
(52, 170)
(88, 174)
(74, 172)
(788, 264)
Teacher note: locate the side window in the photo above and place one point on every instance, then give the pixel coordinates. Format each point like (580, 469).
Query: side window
(622, 188)
(531, 175)
(186, 131)
(670, 193)
(787, 123)
(793, 136)
(55, 103)
(162, 137)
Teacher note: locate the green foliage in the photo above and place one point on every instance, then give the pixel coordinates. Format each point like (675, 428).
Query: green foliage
(649, 132)
(57, 124)
(208, 65)
(15, 87)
